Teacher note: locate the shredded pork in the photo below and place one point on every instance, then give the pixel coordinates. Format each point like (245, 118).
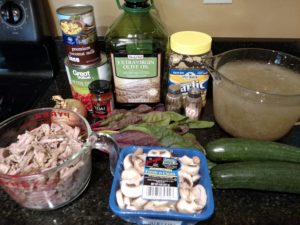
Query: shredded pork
(39, 150)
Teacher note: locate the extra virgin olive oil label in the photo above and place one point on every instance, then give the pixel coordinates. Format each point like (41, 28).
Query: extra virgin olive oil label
(137, 77)
(161, 179)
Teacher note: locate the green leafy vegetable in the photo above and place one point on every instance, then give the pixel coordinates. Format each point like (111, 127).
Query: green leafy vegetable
(199, 124)
(166, 136)
(170, 128)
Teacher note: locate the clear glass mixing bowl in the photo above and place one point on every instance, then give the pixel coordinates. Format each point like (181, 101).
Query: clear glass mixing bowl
(248, 112)
(57, 186)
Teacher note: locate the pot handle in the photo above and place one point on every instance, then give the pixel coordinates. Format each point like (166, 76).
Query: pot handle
(214, 73)
(106, 144)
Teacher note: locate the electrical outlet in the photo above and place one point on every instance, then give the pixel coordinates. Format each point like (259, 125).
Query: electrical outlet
(217, 1)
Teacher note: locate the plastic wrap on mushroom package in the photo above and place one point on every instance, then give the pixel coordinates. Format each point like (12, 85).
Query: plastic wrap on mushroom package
(156, 185)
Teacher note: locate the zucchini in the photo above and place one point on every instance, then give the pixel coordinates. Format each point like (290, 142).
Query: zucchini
(257, 175)
(240, 149)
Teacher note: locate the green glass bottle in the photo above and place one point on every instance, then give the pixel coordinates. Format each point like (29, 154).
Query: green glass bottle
(136, 43)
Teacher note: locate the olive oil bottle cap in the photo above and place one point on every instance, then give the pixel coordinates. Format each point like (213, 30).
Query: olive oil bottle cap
(135, 6)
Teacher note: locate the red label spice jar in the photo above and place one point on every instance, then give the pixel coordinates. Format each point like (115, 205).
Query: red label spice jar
(101, 98)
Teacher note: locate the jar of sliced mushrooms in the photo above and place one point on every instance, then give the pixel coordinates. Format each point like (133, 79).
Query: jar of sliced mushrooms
(188, 51)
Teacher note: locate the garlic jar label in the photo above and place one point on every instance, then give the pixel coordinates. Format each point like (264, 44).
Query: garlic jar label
(137, 78)
(197, 78)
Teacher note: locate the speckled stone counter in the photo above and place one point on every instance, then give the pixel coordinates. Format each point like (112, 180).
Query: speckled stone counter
(91, 207)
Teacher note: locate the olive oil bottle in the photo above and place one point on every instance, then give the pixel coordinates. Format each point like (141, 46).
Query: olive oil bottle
(136, 43)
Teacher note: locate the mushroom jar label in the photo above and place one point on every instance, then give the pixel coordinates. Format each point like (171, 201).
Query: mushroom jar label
(161, 179)
(137, 78)
(188, 78)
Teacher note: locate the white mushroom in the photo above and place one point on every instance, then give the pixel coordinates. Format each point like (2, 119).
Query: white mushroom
(185, 206)
(185, 193)
(185, 180)
(131, 207)
(131, 190)
(139, 202)
(161, 203)
(127, 163)
(139, 163)
(190, 165)
(138, 151)
(195, 178)
(165, 206)
(192, 198)
(127, 201)
(131, 183)
(195, 202)
(160, 153)
(131, 176)
(199, 196)
(120, 199)
(186, 160)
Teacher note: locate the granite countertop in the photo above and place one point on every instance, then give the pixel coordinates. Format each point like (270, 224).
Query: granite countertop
(91, 207)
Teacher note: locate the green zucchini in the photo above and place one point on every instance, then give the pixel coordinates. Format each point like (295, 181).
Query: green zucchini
(240, 149)
(257, 175)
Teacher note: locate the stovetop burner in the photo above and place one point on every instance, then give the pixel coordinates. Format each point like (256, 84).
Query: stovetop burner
(20, 96)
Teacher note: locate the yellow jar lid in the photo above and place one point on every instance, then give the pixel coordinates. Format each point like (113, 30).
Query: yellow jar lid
(190, 42)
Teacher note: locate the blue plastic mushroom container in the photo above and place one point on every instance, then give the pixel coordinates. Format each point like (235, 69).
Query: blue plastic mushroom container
(157, 217)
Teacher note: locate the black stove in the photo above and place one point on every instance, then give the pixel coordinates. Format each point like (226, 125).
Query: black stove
(19, 96)
(24, 76)
(27, 57)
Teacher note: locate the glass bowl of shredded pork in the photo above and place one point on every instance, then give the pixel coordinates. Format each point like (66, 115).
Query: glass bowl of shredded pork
(45, 157)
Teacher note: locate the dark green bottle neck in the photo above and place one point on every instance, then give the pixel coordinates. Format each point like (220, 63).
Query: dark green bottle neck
(137, 7)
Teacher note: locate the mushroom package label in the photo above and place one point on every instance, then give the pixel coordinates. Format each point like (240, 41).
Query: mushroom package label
(161, 179)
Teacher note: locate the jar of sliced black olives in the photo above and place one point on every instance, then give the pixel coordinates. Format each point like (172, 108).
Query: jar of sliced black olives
(188, 51)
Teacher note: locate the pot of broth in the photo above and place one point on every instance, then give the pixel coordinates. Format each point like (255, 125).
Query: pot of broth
(256, 92)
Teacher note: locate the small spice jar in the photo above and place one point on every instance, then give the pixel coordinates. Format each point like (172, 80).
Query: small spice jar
(173, 100)
(101, 98)
(188, 50)
(193, 104)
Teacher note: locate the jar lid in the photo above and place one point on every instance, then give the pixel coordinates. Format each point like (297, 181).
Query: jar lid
(194, 93)
(99, 86)
(190, 42)
(174, 89)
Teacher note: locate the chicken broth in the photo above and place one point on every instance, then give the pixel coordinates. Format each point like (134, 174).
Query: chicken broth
(250, 114)
(268, 78)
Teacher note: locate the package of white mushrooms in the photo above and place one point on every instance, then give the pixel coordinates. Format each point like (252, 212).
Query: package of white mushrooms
(154, 184)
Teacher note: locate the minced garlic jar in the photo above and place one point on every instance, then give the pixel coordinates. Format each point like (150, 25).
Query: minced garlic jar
(188, 50)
